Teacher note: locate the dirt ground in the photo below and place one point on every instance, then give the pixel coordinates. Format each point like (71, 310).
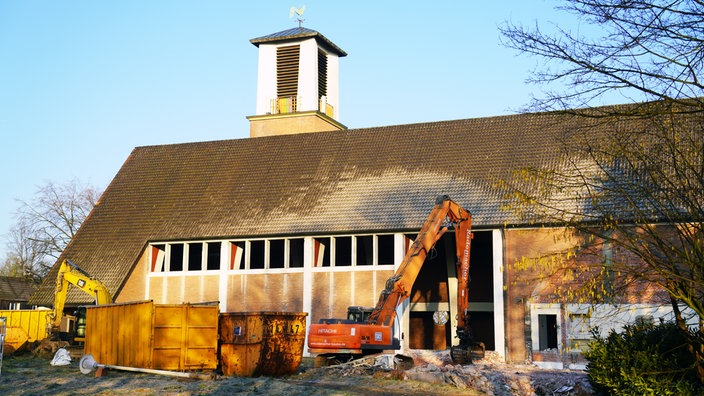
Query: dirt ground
(431, 374)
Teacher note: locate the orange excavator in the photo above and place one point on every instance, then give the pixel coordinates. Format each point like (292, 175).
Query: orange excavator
(367, 331)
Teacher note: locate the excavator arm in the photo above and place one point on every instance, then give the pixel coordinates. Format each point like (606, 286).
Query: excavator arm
(70, 273)
(333, 337)
(398, 287)
(468, 348)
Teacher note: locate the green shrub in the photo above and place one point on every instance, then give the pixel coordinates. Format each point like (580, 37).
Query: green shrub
(644, 359)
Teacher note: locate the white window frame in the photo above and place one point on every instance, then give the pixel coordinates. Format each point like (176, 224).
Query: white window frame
(226, 252)
(537, 309)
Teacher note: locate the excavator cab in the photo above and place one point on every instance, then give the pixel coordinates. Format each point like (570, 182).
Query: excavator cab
(355, 314)
(359, 314)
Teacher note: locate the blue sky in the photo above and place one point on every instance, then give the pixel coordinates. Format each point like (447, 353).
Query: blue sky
(84, 82)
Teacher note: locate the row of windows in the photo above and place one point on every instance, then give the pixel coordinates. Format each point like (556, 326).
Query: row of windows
(340, 251)
(360, 250)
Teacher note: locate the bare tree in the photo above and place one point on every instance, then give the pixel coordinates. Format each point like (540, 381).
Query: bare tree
(632, 176)
(26, 256)
(46, 225)
(642, 49)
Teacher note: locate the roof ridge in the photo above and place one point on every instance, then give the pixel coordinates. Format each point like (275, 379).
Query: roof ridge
(298, 33)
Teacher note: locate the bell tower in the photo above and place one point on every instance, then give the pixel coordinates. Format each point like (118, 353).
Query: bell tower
(297, 84)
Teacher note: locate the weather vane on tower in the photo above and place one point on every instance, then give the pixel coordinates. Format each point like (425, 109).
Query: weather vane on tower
(299, 12)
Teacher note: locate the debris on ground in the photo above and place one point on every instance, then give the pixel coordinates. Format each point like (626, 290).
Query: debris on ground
(61, 358)
(48, 347)
(488, 376)
(415, 373)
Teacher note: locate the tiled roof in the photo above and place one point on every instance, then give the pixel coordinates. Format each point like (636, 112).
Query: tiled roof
(15, 289)
(351, 181)
(297, 34)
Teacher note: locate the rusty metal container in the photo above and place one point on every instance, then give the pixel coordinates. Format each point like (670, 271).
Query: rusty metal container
(24, 327)
(261, 343)
(240, 343)
(146, 335)
(282, 343)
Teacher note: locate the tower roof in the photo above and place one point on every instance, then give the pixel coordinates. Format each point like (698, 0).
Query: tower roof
(296, 34)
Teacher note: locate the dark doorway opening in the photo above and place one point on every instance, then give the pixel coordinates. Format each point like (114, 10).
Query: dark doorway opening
(431, 286)
(548, 332)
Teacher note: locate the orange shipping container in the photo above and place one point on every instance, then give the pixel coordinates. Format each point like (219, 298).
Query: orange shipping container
(146, 335)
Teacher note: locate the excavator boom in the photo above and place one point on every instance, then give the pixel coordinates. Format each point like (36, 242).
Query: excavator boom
(346, 336)
(70, 273)
(398, 287)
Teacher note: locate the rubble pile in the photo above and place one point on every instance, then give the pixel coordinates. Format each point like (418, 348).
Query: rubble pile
(502, 380)
(489, 375)
(48, 347)
(493, 377)
(370, 365)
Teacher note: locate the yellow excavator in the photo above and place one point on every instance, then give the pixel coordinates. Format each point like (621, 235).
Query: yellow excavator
(70, 326)
(27, 326)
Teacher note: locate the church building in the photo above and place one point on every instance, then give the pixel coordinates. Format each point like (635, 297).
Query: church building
(307, 215)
